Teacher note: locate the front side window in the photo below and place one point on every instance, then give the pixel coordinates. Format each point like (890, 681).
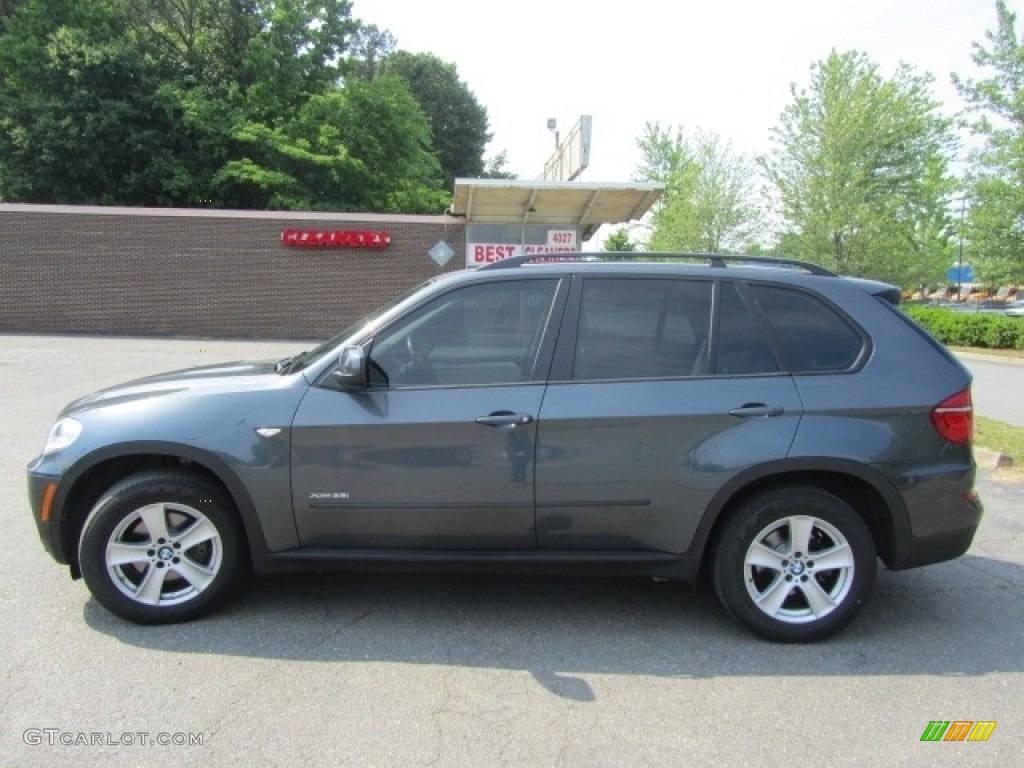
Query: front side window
(641, 328)
(475, 335)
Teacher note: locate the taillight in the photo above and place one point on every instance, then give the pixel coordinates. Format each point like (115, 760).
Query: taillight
(954, 417)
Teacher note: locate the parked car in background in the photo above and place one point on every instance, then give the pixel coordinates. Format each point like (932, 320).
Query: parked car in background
(1015, 308)
(764, 422)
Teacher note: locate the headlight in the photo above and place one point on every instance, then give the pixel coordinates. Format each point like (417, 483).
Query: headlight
(62, 434)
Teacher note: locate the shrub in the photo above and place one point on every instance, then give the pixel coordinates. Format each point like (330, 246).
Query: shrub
(965, 329)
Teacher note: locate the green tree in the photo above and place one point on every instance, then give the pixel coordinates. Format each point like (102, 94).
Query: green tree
(234, 103)
(457, 120)
(494, 167)
(619, 242)
(668, 159)
(861, 169)
(361, 148)
(298, 52)
(7, 8)
(198, 42)
(200, 50)
(667, 154)
(710, 201)
(238, 72)
(995, 185)
(77, 123)
(369, 47)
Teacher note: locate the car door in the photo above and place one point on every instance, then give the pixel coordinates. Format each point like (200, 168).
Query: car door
(667, 389)
(438, 453)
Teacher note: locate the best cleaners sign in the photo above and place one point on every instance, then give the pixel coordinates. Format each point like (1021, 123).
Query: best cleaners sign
(559, 241)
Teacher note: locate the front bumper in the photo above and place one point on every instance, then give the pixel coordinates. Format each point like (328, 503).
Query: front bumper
(43, 496)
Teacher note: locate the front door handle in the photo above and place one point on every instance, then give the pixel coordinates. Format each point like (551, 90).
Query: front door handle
(757, 411)
(505, 419)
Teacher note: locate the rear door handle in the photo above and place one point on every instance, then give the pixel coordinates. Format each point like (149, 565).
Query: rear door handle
(757, 411)
(505, 420)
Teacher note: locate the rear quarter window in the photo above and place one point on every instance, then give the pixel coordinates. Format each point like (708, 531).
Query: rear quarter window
(813, 336)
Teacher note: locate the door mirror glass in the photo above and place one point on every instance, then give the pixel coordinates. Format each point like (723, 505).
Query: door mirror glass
(352, 368)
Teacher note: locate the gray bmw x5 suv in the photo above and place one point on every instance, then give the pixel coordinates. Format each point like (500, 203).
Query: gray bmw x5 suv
(766, 423)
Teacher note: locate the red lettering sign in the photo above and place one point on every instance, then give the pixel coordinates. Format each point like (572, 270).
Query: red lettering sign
(485, 253)
(336, 238)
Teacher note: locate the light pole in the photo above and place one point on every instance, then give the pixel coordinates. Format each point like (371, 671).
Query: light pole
(960, 252)
(553, 127)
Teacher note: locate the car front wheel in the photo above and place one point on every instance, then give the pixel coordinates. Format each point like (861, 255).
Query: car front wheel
(794, 564)
(161, 547)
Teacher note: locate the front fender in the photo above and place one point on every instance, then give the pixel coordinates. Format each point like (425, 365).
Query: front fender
(258, 485)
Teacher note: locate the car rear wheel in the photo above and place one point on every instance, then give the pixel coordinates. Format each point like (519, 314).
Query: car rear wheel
(161, 547)
(794, 564)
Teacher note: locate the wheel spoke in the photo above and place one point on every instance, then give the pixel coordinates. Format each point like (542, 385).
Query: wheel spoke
(194, 574)
(819, 601)
(771, 599)
(764, 557)
(836, 558)
(152, 586)
(119, 553)
(202, 531)
(801, 529)
(155, 518)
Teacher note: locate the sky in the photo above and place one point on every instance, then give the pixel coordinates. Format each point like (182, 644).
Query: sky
(721, 67)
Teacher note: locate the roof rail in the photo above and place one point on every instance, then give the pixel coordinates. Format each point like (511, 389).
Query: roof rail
(717, 260)
(517, 261)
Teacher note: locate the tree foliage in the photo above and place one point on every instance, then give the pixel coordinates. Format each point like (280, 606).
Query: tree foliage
(7, 8)
(710, 199)
(369, 47)
(995, 185)
(494, 167)
(228, 103)
(457, 120)
(298, 53)
(360, 148)
(619, 241)
(77, 122)
(861, 169)
(199, 42)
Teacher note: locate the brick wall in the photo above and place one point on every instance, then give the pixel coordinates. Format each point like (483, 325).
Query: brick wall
(202, 273)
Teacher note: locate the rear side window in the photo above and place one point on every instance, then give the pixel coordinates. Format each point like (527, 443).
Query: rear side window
(813, 336)
(742, 347)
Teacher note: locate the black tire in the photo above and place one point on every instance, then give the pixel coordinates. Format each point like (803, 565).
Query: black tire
(161, 547)
(794, 591)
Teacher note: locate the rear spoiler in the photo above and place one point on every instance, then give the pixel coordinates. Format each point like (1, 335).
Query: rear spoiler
(879, 290)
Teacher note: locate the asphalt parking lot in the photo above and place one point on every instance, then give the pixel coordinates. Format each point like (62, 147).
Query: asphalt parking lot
(405, 670)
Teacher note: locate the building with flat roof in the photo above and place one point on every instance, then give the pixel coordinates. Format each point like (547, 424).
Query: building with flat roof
(273, 274)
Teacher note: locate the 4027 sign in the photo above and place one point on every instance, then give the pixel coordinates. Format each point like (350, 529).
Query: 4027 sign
(335, 238)
(562, 237)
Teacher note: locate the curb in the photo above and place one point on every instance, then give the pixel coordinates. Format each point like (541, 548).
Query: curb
(987, 459)
(965, 353)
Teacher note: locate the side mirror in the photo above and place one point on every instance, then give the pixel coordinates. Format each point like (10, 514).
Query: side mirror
(352, 371)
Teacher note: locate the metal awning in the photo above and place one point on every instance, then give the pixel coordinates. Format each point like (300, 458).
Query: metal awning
(585, 205)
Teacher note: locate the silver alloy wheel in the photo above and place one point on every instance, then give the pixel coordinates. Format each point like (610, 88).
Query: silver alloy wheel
(164, 554)
(798, 569)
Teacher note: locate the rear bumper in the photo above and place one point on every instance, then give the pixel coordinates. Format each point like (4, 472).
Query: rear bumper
(911, 551)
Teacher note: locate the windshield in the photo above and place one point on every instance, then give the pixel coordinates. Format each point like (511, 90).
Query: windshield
(305, 359)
